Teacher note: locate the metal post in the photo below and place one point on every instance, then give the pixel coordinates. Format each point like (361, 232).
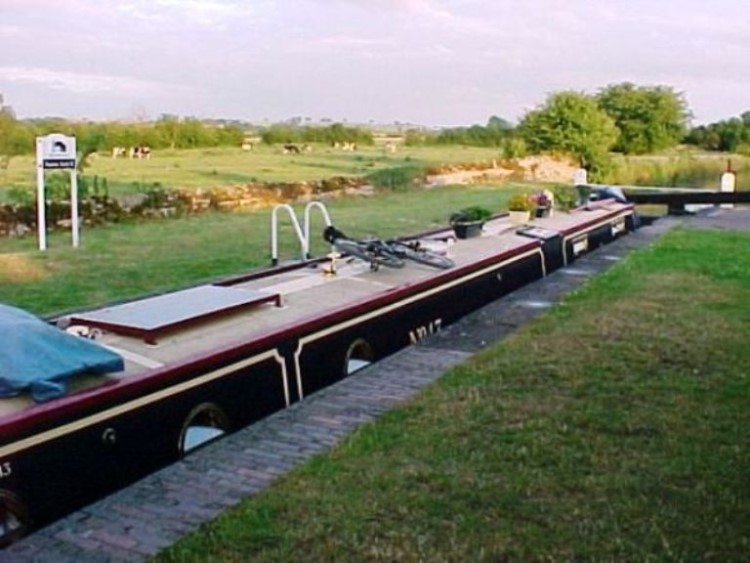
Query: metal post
(74, 207)
(326, 217)
(41, 218)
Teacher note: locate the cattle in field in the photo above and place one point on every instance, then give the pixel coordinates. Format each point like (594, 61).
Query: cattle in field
(348, 147)
(140, 151)
(118, 152)
(247, 146)
(290, 148)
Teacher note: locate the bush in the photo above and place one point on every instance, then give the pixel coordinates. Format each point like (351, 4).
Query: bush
(520, 202)
(396, 179)
(566, 196)
(514, 147)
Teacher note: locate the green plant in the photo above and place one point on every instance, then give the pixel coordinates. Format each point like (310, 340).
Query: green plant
(571, 122)
(396, 179)
(566, 196)
(520, 202)
(471, 214)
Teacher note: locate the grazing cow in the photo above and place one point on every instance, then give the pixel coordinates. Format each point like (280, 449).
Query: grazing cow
(118, 152)
(247, 146)
(140, 151)
(290, 148)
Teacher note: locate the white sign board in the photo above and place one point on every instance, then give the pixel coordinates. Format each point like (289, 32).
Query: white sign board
(55, 152)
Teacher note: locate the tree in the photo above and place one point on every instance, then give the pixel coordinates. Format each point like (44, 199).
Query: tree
(168, 130)
(499, 124)
(649, 118)
(727, 135)
(90, 137)
(573, 123)
(15, 138)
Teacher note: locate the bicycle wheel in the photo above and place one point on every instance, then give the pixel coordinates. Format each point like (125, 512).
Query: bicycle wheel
(422, 255)
(384, 254)
(355, 249)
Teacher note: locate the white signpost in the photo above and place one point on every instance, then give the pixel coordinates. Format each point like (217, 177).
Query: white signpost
(727, 184)
(580, 178)
(56, 152)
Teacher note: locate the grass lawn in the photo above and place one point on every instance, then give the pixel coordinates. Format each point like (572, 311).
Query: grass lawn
(223, 166)
(613, 428)
(127, 260)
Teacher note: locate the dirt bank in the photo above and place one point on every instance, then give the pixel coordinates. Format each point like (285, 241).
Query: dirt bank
(529, 169)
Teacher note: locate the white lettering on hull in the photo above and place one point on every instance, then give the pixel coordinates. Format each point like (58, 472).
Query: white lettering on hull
(422, 332)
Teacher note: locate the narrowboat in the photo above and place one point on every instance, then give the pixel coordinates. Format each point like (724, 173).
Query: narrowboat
(159, 376)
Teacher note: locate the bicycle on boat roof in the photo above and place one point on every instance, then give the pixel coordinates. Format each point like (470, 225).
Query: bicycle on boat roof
(391, 253)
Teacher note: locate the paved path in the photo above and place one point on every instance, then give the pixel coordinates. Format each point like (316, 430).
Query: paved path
(152, 514)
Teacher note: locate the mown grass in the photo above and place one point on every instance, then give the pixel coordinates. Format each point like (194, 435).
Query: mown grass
(118, 261)
(613, 428)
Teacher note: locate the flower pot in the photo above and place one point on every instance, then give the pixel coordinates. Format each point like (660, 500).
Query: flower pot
(519, 217)
(543, 211)
(468, 230)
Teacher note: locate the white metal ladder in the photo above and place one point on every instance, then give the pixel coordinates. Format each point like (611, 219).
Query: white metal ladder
(303, 234)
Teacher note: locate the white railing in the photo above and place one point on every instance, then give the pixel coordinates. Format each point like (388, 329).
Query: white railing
(303, 235)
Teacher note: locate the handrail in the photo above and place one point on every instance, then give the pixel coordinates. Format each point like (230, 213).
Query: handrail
(275, 235)
(326, 217)
(302, 235)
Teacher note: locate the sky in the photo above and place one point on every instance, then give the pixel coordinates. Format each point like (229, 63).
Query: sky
(427, 62)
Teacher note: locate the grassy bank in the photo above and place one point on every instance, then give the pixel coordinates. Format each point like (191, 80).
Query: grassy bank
(126, 260)
(613, 428)
(688, 170)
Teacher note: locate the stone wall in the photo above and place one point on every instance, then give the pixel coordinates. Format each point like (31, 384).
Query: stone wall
(20, 219)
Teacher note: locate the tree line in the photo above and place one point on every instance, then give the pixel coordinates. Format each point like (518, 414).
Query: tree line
(172, 132)
(17, 136)
(624, 118)
(335, 133)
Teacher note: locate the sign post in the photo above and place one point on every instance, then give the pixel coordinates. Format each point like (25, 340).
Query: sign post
(580, 178)
(56, 152)
(727, 182)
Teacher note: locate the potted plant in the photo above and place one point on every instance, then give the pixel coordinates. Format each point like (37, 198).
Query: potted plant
(468, 222)
(519, 209)
(543, 203)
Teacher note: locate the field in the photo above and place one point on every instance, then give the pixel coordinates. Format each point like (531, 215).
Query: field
(222, 166)
(208, 168)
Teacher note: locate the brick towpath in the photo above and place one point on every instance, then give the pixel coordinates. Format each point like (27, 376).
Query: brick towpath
(155, 512)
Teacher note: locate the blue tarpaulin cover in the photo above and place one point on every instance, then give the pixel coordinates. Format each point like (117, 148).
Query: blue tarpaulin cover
(39, 358)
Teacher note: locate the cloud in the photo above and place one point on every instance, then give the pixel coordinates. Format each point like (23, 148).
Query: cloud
(9, 30)
(82, 83)
(203, 13)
